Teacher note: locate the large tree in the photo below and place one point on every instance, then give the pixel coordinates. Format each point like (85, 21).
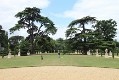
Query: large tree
(31, 19)
(3, 42)
(79, 33)
(105, 31)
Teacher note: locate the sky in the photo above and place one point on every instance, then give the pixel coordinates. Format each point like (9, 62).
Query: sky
(61, 12)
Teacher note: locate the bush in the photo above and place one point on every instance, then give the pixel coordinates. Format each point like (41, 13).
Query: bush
(24, 47)
(3, 53)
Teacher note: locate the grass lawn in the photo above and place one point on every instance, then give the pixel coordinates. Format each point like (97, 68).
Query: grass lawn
(65, 60)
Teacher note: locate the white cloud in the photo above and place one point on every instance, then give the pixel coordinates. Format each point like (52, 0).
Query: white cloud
(8, 9)
(60, 32)
(21, 32)
(101, 9)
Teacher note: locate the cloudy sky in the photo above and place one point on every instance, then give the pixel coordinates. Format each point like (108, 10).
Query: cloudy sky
(61, 12)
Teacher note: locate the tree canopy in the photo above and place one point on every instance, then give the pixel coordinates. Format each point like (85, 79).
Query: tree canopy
(99, 36)
(31, 19)
(79, 33)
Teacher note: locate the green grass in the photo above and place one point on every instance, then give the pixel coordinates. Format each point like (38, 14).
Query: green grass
(65, 60)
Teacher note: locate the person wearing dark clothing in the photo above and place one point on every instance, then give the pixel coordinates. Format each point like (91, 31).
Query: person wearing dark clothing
(41, 57)
(58, 53)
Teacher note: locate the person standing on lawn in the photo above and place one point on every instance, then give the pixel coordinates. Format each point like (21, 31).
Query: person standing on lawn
(58, 54)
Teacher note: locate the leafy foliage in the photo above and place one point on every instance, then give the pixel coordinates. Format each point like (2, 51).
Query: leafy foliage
(43, 43)
(3, 42)
(24, 47)
(105, 31)
(14, 43)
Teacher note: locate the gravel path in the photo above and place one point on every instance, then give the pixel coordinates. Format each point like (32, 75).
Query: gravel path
(59, 73)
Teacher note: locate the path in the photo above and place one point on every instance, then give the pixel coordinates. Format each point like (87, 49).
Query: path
(59, 73)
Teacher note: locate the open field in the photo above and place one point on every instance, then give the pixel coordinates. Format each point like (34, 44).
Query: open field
(53, 60)
(63, 68)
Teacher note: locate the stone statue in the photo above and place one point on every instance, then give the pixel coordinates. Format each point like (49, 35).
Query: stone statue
(28, 53)
(106, 53)
(19, 53)
(97, 53)
(9, 54)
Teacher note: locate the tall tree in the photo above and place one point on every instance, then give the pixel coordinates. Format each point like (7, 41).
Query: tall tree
(28, 19)
(77, 30)
(105, 31)
(3, 42)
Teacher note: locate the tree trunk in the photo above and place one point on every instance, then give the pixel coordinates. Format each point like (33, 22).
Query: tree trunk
(84, 46)
(85, 50)
(32, 48)
(32, 39)
(2, 56)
